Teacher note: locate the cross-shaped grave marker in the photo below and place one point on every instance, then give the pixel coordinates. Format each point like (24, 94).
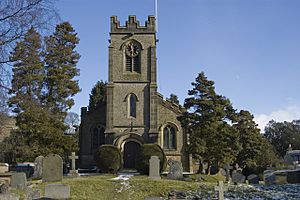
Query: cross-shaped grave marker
(73, 157)
(227, 168)
(220, 188)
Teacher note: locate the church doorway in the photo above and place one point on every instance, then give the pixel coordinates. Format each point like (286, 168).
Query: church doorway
(131, 150)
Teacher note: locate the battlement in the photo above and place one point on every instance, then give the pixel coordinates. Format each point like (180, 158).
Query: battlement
(132, 25)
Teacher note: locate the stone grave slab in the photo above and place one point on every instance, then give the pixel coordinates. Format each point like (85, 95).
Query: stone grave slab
(237, 177)
(32, 194)
(154, 168)
(220, 189)
(18, 180)
(175, 170)
(57, 191)
(9, 197)
(253, 179)
(38, 167)
(52, 168)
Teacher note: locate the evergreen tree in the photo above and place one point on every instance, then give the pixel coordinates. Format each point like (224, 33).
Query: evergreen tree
(212, 139)
(173, 98)
(61, 59)
(28, 71)
(98, 95)
(250, 139)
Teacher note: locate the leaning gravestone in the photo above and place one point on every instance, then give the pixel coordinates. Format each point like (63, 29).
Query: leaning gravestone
(253, 179)
(57, 191)
(237, 177)
(52, 169)
(38, 166)
(18, 180)
(175, 170)
(269, 177)
(154, 168)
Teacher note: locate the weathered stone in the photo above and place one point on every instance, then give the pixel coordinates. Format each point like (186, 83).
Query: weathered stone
(253, 179)
(153, 198)
(175, 170)
(3, 167)
(9, 197)
(4, 188)
(32, 194)
(52, 168)
(38, 167)
(57, 191)
(5, 177)
(73, 171)
(237, 177)
(280, 176)
(154, 168)
(220, 189)
(18, 180)
(177, 194)
(293, 176)
(269, 177)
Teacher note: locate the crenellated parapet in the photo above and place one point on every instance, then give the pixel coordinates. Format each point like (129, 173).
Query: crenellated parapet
(132, 25)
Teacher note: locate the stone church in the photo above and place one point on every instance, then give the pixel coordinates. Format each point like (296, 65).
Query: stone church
(135, 113)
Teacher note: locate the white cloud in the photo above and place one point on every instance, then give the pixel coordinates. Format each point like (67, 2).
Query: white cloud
(288, 113)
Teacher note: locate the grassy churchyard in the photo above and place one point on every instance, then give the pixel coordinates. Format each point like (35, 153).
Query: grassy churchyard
(103, 186)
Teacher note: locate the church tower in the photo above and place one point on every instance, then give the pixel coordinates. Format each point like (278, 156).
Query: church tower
(134, 112)
(132, 86)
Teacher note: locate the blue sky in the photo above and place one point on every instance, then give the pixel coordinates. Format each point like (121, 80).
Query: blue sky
(250, 48)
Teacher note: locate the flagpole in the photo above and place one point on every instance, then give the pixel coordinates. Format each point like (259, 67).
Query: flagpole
(156, 15)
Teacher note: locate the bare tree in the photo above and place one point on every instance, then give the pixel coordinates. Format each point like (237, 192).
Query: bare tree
(16, 18)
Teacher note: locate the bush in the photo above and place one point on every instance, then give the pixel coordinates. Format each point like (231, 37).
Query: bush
(148, 150)
(108, 158)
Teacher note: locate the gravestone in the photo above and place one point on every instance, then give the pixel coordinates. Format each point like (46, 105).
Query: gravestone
(4, 188)
(269, 177)
(73, 171)
(154, 168)
(9, 196)
(38, 167)
(220, 188)
(57, 191)
(3, 167)
(238, 177)
(52, 169)
(293, 176)
(227, 169)
(253, 179)
(237, 168)
(204, 167)
(18, 180)
(175, 170)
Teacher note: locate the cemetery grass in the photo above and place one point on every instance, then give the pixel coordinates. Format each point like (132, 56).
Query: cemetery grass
(137, 187)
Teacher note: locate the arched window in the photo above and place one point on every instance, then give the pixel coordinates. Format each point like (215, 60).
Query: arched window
(98, 137)
(169, 137)
(132, 106)
(132, 57)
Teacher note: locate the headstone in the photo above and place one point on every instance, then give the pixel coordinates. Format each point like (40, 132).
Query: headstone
(154, 168)
(253, 179)
(57, 191)
(293, 176)
(204, 167)
(237, 168)
(3, 167)
(269, 177)
(38, 167)
(238, 177)
(52, 168)
(9, 196)
(73, 171)
(18, 180)
(220, 188)
(4, 188)
(227, 169)
(175, 170)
